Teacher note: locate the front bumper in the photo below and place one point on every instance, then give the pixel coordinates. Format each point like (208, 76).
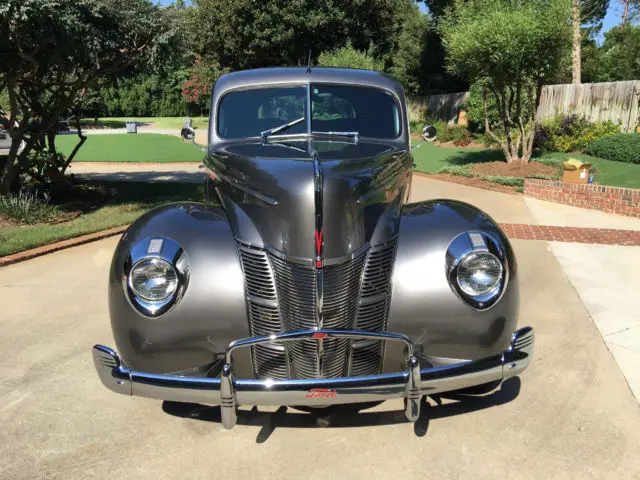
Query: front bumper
(229, 392)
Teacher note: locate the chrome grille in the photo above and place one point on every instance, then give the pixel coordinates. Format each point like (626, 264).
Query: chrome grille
(296, 286)
(269, 361)
(281, 296)
(341, 288)
(373, 309)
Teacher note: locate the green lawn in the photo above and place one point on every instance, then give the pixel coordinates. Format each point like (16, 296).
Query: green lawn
(159, 122)
(140, 147)
(430, 159)
(130, 201)
(608, 172)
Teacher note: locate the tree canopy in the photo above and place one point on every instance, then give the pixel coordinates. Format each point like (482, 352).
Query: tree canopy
(512, 48)
(53, 50)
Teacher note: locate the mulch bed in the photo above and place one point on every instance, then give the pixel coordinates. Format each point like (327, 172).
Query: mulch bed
(515, 169)
(474, 145)
(5, 222)
(472, 182)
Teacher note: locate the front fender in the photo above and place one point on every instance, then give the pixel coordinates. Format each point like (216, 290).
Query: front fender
(424, 306)
(212, 311)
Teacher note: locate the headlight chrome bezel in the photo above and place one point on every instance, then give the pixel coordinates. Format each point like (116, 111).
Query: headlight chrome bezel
(163, 249)
(461, 249)
(157, 261)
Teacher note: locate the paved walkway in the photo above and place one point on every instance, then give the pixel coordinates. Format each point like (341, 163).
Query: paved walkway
(602, 236)
(139, 172)
(201, 134)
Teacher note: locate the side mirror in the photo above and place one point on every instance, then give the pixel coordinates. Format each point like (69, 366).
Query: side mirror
(188, 134)
(429, 133)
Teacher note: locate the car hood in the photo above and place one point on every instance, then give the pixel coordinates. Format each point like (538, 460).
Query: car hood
(269, 193)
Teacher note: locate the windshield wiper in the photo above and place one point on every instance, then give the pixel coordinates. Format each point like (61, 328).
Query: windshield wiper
(353, 135)
(271, 131)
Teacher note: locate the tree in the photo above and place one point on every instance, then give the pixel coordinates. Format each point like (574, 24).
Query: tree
(240, 34)
(512, 47)
(406, 61)
(619, 56)
(631, 11)
(51, 51)
(202, 75)
(587, 13)
(349, 57)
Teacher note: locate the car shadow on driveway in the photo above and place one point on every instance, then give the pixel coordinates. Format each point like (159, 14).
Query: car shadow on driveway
(350, 415)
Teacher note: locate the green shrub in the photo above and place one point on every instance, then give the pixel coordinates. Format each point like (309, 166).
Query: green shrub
(475, 109)
(571, 133)
(461, 171)
(508, 181)
(621, 147)
(349, 57)
(458, 171)
(28, 207)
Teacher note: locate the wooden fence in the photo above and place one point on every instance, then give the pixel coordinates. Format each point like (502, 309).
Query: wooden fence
(444, 106)
(615, 101)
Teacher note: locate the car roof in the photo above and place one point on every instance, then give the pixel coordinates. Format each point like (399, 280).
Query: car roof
(350, 76)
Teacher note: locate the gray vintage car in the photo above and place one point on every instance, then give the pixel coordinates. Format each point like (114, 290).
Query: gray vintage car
(306, 278)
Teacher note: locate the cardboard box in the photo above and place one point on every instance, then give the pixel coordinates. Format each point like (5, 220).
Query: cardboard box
(575, 171)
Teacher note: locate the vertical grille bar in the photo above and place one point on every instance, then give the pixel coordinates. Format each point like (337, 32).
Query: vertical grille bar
(342, 285)
(296, 286)
(373, 309)
(269, 361)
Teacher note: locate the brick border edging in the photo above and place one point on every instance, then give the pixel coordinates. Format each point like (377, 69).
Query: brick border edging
(61, 245)
(619, 200)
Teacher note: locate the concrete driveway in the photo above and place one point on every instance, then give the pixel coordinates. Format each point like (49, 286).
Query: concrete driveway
(570, 415)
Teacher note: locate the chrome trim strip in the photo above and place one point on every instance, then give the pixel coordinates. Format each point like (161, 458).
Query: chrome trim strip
(314, 392)
(319, 244)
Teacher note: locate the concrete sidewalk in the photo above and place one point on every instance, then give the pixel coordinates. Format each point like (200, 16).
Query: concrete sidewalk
(606, 277)
(138, 172)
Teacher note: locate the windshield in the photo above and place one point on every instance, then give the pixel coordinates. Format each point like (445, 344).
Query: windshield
(336, 110)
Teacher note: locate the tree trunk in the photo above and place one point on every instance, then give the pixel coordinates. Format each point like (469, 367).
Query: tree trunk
(576, 53)
(506, 147)
(10, 172)
(625, 13)
(83, 138)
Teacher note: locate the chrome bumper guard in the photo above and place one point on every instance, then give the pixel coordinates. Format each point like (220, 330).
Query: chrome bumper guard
(230, 392)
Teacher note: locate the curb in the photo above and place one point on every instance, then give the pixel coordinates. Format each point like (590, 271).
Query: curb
(54, 247)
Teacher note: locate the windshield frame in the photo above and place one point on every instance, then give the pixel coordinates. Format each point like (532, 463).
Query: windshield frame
(307, 105)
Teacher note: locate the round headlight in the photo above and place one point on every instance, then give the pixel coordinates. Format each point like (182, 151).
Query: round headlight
(153, 279)
(479, 273)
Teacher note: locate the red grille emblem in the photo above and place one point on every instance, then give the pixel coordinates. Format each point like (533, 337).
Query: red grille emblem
(321, 393)
(320, 335)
